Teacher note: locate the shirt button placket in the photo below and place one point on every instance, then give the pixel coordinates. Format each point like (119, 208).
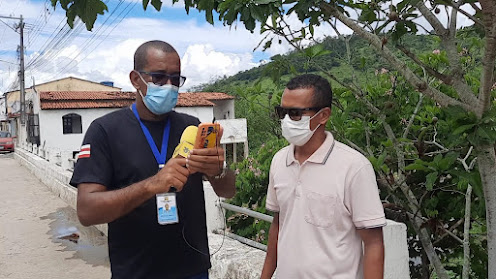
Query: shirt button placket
(298, 188)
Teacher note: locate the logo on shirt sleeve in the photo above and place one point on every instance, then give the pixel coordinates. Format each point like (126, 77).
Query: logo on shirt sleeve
(85, 151)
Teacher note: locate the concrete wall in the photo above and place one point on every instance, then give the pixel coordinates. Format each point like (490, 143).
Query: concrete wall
(3, 109)
(51, 128)
(66, 84)
(232, 259)
(205, 114)
(224, 109)
(74, 84)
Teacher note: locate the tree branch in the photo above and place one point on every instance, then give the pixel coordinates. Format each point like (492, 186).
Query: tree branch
(477, 9)
(412, 117)
(466, 235)
(468, 168)
(452, 21)
(444, 78)
(463, 90)
(488, 62)
(432, 19)
(447, 37)
(413, 79)
(454, 226)
(463, 12)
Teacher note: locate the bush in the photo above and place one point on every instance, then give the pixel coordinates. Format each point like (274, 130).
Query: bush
(251, 186)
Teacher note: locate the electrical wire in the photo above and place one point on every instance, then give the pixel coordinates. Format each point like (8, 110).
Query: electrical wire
(8, 26)
(129, 8)
(220, 208)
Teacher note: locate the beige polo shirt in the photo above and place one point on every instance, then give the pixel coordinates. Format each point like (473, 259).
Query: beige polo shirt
(321, 204)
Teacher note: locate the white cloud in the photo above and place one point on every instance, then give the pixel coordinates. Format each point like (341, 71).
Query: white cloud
(201, 63)
(207, 51)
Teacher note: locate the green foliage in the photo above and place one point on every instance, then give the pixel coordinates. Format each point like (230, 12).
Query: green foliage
(251, 189)
(431, 140)
(86, 10)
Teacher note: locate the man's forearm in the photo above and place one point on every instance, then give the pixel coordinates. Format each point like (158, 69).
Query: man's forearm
(373, 261)
(102, 207)
(226, 186)
(270, 263)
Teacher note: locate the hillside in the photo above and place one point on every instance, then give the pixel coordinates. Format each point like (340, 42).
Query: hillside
(363, 59)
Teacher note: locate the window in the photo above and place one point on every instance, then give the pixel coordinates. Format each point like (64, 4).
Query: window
(72, 123)
(33, 128)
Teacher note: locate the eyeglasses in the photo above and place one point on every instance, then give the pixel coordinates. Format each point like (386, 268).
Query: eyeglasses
(294, 113)
(162, 78)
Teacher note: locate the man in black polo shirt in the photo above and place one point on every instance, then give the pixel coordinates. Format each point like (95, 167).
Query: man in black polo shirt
(125, 167)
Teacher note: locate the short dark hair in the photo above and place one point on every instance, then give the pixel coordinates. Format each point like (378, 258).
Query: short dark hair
(322, 91)
(140, 55)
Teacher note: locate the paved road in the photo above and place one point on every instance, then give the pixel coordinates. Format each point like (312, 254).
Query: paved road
(32, 222)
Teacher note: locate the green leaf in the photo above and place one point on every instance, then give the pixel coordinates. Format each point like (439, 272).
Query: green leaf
(462, 129)
(209, 16)
(430, 179)
(399, 30)
(250, 24)
(486, 133)
(417, 166)
(368, 15)
(267, 45)
(264, 2)
(145, 4)
(157, 4)
(412, 26)
(310, 28)
(257, 13)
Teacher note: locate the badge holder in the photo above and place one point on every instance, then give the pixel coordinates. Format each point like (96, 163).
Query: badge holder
(167, 209)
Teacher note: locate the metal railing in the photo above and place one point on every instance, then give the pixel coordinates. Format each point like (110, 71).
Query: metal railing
(41, 152)
(251, 213)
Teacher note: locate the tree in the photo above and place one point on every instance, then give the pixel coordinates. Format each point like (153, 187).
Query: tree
(383, 24)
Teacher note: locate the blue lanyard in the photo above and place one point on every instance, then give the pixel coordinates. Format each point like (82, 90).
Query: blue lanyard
(159, 156)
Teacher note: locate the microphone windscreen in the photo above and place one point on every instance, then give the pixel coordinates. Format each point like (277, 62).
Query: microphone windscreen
(189, 134)
(186, 143)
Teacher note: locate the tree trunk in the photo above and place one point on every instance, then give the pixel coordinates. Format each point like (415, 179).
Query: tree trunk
(487, 168)
(425, 238)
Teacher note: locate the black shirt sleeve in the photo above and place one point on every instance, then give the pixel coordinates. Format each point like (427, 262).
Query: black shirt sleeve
(97, 167)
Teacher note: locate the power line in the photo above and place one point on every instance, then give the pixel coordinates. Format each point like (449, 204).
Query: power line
(8, 25)
(8, 62)
(98, 34)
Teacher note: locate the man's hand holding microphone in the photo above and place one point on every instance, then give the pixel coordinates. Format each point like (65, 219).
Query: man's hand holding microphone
(186, 160)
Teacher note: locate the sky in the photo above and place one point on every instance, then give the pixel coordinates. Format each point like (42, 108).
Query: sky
(105, 54)
(54, 51)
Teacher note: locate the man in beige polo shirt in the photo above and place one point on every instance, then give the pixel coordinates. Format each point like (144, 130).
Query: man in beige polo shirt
(323, 194)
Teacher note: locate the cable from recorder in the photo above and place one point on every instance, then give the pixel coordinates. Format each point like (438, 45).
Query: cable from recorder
(221, 210)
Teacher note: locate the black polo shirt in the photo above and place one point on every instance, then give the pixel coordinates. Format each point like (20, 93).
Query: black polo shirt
(139, 247)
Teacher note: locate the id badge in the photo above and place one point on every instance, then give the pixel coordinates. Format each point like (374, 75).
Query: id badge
(167, 209)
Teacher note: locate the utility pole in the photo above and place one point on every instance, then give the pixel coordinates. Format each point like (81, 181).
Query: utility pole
(20, 26)
(21, 73)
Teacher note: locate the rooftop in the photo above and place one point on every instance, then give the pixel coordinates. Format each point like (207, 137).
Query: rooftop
(119, 99)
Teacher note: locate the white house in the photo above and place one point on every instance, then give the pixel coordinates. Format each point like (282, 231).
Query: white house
(28, 132)
(63, 117)
(3, 114)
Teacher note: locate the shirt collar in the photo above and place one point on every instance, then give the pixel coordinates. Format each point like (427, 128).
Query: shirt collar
(320, 155)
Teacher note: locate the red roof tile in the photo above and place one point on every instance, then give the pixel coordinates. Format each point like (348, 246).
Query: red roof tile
(118, 99)
(213, 96)
(86, 95)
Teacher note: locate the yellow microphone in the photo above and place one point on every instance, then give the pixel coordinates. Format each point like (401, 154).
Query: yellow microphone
(187, 142)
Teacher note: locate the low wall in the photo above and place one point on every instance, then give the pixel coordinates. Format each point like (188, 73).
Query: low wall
(233, 260)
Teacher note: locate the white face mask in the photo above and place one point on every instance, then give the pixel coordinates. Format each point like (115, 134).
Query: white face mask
(298, 132)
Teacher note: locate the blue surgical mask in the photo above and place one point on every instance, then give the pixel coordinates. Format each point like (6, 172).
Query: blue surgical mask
(159, 99)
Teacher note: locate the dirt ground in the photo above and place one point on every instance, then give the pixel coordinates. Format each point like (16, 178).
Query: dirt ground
(39, 234)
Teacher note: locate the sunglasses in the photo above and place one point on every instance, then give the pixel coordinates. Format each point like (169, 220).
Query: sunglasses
(162, 78)
(294, 113)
